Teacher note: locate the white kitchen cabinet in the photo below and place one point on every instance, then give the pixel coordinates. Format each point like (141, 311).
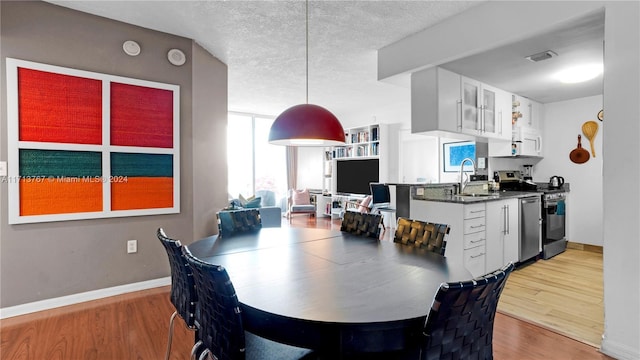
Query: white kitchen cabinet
(525, 139)
(474, 260)
(445, 101)
(467, 237)
(435, 101)
(502, 233)
(530, 110)
(492, 115)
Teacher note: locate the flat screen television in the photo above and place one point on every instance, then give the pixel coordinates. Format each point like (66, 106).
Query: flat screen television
(354, 175)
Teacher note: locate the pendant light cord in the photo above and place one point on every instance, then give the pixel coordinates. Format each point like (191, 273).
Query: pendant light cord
(307, 48)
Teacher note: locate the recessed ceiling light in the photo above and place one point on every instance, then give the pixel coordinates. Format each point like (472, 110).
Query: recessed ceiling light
(176, 57)
(579, 73)
(131, 48)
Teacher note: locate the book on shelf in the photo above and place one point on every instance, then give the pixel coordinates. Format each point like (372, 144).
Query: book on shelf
(374, 134)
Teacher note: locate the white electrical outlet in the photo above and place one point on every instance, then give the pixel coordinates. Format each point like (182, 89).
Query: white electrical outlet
(132, 246)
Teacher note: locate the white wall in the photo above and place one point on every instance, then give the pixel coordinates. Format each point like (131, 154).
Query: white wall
(417, 158)
(310, 167)
(563, 122)
(621, 180)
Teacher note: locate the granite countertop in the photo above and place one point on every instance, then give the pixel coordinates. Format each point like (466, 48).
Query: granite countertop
(465, 199)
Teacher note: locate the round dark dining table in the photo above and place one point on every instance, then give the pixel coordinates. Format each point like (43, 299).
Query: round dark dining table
(329, 290)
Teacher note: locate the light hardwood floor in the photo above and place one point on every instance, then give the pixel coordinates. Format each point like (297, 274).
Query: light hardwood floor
(134, 326)
(564, 294)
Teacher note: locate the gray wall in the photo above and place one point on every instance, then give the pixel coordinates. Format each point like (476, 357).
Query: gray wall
(48, 260)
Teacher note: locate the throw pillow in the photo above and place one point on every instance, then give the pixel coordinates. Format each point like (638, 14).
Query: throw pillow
(253, 203)
(301, 197)
(364, 204)
(242, 200)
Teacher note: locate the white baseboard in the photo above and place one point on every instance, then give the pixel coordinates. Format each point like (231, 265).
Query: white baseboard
(81, 297)
(619, 351)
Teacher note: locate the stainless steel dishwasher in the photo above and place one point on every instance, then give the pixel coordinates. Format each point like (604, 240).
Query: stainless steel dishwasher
(530, 228)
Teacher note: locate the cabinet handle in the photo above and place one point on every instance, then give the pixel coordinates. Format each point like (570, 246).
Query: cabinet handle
(507, 225)
(530, 114)
(504, 219)
(475, 211)
(477, 256)
(475, 227)
(476, 241)
(500, 121)
(459, 115)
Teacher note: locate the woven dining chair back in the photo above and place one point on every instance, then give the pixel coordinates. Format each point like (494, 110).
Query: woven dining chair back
(183, 293)
(219, 320)
(460, 321)
(362, 224)
(219, 317)
(421, 234)
(232, 222)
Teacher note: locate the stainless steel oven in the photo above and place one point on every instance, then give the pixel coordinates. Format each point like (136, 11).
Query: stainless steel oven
(554, 209)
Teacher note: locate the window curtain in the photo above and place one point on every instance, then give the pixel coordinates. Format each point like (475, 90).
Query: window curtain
(292, 167)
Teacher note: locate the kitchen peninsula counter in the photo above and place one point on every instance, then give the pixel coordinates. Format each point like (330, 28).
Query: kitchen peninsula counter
(465, 199)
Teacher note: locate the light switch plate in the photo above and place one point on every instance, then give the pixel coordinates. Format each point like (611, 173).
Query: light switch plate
(3, 168)
(482, 163)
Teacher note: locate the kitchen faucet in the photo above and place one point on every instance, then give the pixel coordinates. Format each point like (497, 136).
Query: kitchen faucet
(462, 182)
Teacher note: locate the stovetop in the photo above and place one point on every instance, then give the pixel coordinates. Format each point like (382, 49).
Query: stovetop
(512, 180)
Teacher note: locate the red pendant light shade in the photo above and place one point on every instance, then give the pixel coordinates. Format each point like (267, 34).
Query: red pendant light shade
(306, 125)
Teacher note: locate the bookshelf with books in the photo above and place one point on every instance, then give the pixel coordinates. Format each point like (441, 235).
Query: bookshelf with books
(361, 141)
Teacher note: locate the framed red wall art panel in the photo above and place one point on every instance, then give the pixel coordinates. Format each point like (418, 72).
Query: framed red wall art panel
(85, 145)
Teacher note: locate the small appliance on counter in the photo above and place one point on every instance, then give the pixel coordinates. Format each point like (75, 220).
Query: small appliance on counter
(556, 182)
(513, 180)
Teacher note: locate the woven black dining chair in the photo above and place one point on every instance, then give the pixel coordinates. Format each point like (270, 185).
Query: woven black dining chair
(219, 321)
(232, 222)
(362, 224)
(460, 321)
(183, 294)
(421, 234)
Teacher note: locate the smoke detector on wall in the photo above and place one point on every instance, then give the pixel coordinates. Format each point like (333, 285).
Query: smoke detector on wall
(541, 56)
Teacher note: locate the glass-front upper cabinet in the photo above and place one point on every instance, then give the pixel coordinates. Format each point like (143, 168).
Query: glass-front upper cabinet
(470, 105)
(485, 110)
(488, 113)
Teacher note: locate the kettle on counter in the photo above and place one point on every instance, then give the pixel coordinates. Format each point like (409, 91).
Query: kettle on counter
(556, 181)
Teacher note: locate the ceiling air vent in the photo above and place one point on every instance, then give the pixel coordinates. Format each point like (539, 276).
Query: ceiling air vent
(541, 56)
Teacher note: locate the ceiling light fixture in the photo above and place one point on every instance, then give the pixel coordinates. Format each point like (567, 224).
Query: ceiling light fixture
(541, 56)
(306, 124)
(131, 48)
(579, 73)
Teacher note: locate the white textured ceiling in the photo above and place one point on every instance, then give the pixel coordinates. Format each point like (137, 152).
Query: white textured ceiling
(263, 44)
